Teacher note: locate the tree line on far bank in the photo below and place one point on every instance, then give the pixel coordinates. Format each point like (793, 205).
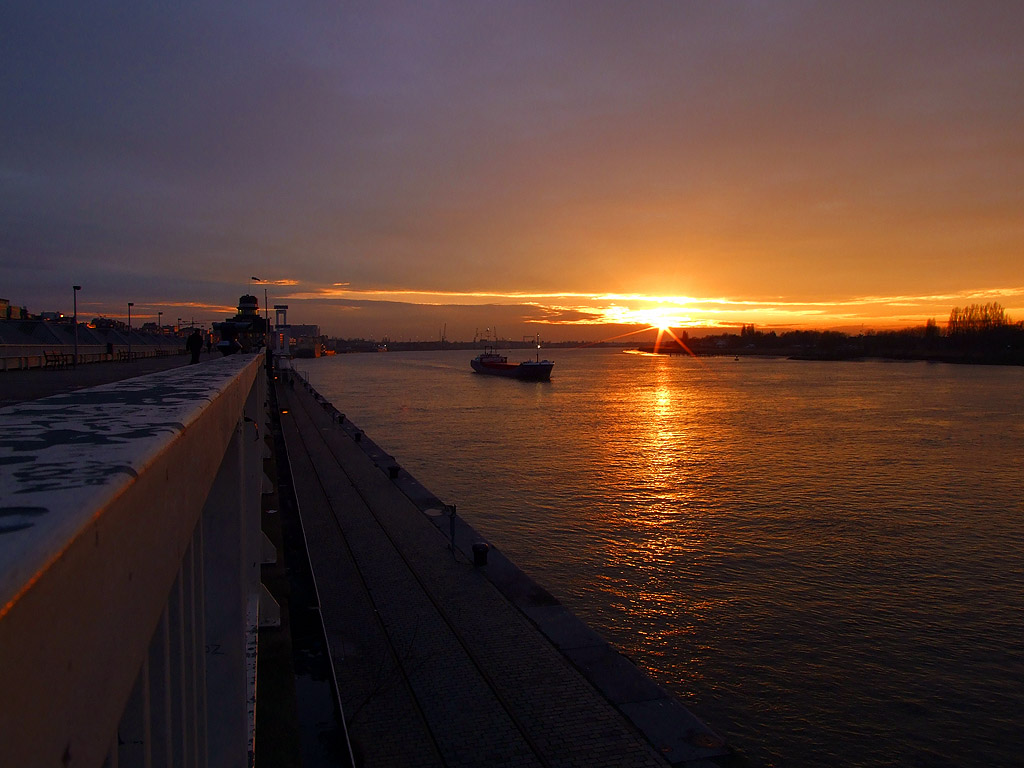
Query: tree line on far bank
(979, 333)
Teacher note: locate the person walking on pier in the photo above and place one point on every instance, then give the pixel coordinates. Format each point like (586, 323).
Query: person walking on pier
(194, 345)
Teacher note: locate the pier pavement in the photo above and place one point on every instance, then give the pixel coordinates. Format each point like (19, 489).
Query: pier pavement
(441, 660)
(34, 383)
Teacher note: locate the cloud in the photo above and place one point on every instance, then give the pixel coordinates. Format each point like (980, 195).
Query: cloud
(554, 315)
(600, 315)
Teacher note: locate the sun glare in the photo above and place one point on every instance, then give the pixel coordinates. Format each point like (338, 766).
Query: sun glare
(662, 318)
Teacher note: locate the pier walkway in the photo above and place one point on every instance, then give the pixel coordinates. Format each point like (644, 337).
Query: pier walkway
(17, 386)
(441, 661)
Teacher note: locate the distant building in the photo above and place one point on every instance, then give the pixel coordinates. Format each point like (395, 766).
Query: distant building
(307, 341)
(296, 340)
(9, 312)
(246, 331)
(107, 322)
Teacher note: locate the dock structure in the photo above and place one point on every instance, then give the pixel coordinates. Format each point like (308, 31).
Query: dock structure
(133, 611)
(449, 655)
(130, 554)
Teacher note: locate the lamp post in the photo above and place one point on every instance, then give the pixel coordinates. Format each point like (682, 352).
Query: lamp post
(130, 305)
(76, 289)
(160, 323)
(266, 311)
(266, 317)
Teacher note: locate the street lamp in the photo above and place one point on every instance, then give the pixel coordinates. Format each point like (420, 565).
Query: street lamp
(130, 305)
(266, 311)
(74, 293)
(160, 323)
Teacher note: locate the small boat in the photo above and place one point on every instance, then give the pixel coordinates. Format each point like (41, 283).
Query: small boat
(491, 362)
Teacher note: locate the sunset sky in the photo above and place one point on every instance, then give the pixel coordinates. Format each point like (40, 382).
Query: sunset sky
(574, 169)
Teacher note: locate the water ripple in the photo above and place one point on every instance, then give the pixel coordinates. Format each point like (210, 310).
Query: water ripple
(824, 560)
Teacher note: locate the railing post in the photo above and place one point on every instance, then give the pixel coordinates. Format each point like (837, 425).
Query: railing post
(160, 696)
(231, 573)
(199, 644)
(225, 606)
(133, 736)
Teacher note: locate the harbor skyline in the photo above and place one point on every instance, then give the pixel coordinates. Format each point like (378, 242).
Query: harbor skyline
(536, 168)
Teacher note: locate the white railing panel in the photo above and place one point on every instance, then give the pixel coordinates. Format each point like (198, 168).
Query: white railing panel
(101, 493)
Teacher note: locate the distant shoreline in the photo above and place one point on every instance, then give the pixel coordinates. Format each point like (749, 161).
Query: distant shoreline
(698, 348)
(839, 358)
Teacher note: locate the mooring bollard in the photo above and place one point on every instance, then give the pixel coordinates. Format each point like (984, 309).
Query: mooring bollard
(393, 471)
(480, 553)
(358, 436)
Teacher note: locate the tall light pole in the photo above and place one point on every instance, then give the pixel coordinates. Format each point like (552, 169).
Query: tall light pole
(160, 323)
(266, 316)
(77, 288)
(266, 312)
(130, 305)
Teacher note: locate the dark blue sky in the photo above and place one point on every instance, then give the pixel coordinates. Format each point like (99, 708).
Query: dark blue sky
(777, 162)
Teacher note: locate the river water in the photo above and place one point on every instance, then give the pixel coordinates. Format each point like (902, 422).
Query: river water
(824, 561)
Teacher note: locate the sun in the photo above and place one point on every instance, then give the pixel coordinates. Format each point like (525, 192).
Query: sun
(663, 318)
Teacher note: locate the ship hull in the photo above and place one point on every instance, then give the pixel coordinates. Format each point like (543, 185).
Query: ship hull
(528, 371)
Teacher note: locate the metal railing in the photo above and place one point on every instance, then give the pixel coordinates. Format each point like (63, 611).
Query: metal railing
(19, 357)
(130, 551)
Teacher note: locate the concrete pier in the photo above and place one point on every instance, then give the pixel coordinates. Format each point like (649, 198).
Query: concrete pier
(130, 554)
(442, 660)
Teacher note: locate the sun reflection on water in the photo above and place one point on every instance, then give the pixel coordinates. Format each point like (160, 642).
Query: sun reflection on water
(661, 519)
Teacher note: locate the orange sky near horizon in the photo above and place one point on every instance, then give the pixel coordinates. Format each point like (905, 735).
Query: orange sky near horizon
(583, 317)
